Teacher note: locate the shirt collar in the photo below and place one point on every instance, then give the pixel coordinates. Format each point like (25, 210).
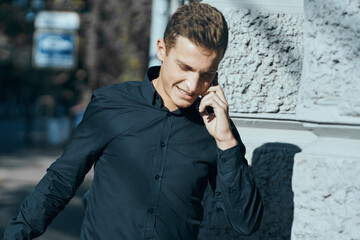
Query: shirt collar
(151, 95)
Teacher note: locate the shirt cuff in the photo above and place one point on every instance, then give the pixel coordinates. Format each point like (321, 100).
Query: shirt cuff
(230, 159)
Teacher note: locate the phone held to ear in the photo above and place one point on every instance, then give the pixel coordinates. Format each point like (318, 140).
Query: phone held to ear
(215, 82)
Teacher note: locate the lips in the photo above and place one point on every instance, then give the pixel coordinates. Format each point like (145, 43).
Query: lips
(183, 93)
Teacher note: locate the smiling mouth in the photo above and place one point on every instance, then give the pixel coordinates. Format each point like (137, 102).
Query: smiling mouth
(184, 92)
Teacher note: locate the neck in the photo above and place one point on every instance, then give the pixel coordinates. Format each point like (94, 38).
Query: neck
(164, 96)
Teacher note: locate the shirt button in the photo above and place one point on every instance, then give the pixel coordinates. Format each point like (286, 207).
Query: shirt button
(162, 144)
(169, 114)
(157, 177)
(223, 160)
(231, 190)
(151, 210)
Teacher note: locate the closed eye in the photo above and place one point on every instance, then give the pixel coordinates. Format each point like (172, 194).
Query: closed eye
(185, 68)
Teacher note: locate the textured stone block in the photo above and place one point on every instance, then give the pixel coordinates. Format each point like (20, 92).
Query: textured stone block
(326, 184)
(262, 67)
(330, 85)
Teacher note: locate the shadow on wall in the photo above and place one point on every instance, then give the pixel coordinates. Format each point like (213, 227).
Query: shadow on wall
(272, 168)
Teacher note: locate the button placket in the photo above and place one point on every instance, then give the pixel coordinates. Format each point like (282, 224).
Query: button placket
(158, 173)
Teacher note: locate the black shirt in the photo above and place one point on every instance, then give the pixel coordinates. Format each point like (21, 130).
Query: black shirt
(151, 170)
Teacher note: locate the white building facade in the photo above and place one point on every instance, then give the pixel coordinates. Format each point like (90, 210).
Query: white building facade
(292, 77)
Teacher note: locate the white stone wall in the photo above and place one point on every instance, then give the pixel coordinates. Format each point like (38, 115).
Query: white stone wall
(330, 86)
(326, 186)
(292, 79)
(326, 179)
(262, 67)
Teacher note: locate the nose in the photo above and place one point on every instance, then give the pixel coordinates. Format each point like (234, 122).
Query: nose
(193, 81)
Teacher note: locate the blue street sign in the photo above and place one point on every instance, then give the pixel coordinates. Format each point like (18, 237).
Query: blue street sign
(54, 49)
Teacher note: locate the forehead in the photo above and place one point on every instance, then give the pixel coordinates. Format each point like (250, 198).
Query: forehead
(189, 53)
(179, 40)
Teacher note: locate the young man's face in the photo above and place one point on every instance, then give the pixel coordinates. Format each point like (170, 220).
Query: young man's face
(187, 71)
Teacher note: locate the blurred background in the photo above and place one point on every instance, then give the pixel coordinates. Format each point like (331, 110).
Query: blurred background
(51, 62)
(290, 74)
(53, 55)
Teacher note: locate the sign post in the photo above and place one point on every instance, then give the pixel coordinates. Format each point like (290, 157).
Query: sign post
(55, 40)
(55, 47)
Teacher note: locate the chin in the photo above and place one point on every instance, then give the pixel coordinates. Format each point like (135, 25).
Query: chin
(183, 104)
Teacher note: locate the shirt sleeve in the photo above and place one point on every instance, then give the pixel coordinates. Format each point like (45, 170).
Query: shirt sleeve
(235, 189)
(63, 177)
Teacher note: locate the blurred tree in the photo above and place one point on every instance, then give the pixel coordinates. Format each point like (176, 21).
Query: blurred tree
(113, 47)
(114, 38)
(118, 36)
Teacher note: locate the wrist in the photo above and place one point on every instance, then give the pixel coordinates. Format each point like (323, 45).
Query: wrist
(226, 144)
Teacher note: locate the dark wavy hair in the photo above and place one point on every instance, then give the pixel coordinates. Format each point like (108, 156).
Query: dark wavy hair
(201, 23)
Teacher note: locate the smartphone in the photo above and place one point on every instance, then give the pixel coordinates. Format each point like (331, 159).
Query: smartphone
(215, 82)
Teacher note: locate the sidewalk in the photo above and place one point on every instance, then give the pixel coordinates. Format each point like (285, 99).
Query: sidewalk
(20, 170)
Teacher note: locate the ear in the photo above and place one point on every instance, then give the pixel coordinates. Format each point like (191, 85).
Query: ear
(160, 49)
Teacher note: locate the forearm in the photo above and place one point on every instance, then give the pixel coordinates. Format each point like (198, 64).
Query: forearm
(241, 200)
(39, 208)
(63, 177)
(227, 143)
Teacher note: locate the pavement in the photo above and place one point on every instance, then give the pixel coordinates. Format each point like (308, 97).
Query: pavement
(21, 168)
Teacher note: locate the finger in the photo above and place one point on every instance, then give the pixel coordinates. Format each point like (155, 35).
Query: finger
(215, 106)
(215, 95)
(218, 90)
(211, 88)
(213, 100)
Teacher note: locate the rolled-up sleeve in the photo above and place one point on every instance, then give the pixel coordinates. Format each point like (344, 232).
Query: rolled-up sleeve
(235, 190)
(64, 176)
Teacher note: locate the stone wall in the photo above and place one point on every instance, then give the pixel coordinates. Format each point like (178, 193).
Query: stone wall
(326, 187)
(326, 180)
(330, 86)
(292, 79)
(262, 67)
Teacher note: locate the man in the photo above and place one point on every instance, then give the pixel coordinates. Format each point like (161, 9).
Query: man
(155, 145)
